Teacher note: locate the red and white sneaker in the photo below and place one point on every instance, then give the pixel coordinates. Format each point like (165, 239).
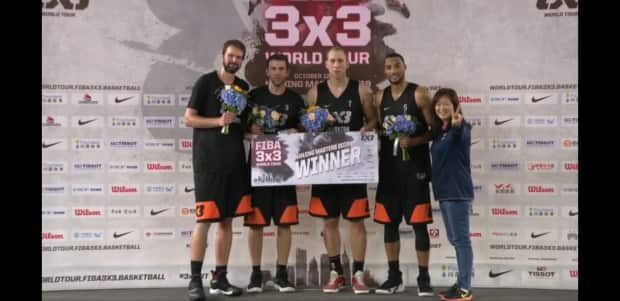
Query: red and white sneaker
(357, 283)
(335, 284)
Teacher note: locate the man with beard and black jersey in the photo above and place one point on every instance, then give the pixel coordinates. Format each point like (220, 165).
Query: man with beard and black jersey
(221, 172)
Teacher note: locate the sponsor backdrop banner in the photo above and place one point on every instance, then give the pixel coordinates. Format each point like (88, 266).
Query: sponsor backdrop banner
(118, 193)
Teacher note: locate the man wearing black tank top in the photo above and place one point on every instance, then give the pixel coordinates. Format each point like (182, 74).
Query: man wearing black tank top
(403, 189)
(275, 202)
(221, 173)
(348, 102)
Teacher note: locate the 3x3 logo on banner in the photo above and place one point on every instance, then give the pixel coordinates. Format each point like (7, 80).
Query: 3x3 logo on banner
(66, 4)
(544, 4)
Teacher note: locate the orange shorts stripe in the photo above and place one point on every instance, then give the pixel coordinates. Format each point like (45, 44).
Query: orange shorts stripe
(381, 214)
(245, 205)
(316, 207)
(255, 218)
(421, 214)
(359, 208)
(207, 210)
(290, 215)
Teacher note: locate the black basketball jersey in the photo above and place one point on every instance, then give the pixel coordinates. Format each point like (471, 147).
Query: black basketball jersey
(346, 109)
(405, 104)
(212, 150)
(287, 107)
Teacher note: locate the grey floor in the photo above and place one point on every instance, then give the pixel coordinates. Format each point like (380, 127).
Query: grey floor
(178, 294)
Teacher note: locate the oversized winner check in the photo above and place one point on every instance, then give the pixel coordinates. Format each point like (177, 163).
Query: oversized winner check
(320, 158)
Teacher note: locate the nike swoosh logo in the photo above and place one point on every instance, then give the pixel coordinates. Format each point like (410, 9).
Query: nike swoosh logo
(493, 275)
(117, 100)
(474, 142)
(385, 109)
(81, 122)
(497, 122)
(188, 190)
(49, 145)
(116, 235)
(153, 212)
(539, 235)
(572, 213)
(535, 100)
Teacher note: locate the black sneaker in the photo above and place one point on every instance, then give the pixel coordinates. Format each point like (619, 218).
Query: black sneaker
(220, 285)
(394, 284)
(256, 283)
(283, 285)
(195, 292)
(458, 294)
(424, 286)
(450, 291)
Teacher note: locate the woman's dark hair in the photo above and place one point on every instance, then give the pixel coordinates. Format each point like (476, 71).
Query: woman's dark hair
(454, 99)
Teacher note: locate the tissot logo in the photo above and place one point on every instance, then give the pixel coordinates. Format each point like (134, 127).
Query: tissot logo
(87, 189)
(541, 272)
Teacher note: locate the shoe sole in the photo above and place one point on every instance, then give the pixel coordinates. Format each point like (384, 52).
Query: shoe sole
(422, 294)
(399, 289)
(358, 292)
(218, 291)
(285, 289)
(329, 290)
(196, 298)
(255, 290)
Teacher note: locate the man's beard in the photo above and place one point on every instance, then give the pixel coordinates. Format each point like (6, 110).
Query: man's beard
(231, 68)
(277, 83)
